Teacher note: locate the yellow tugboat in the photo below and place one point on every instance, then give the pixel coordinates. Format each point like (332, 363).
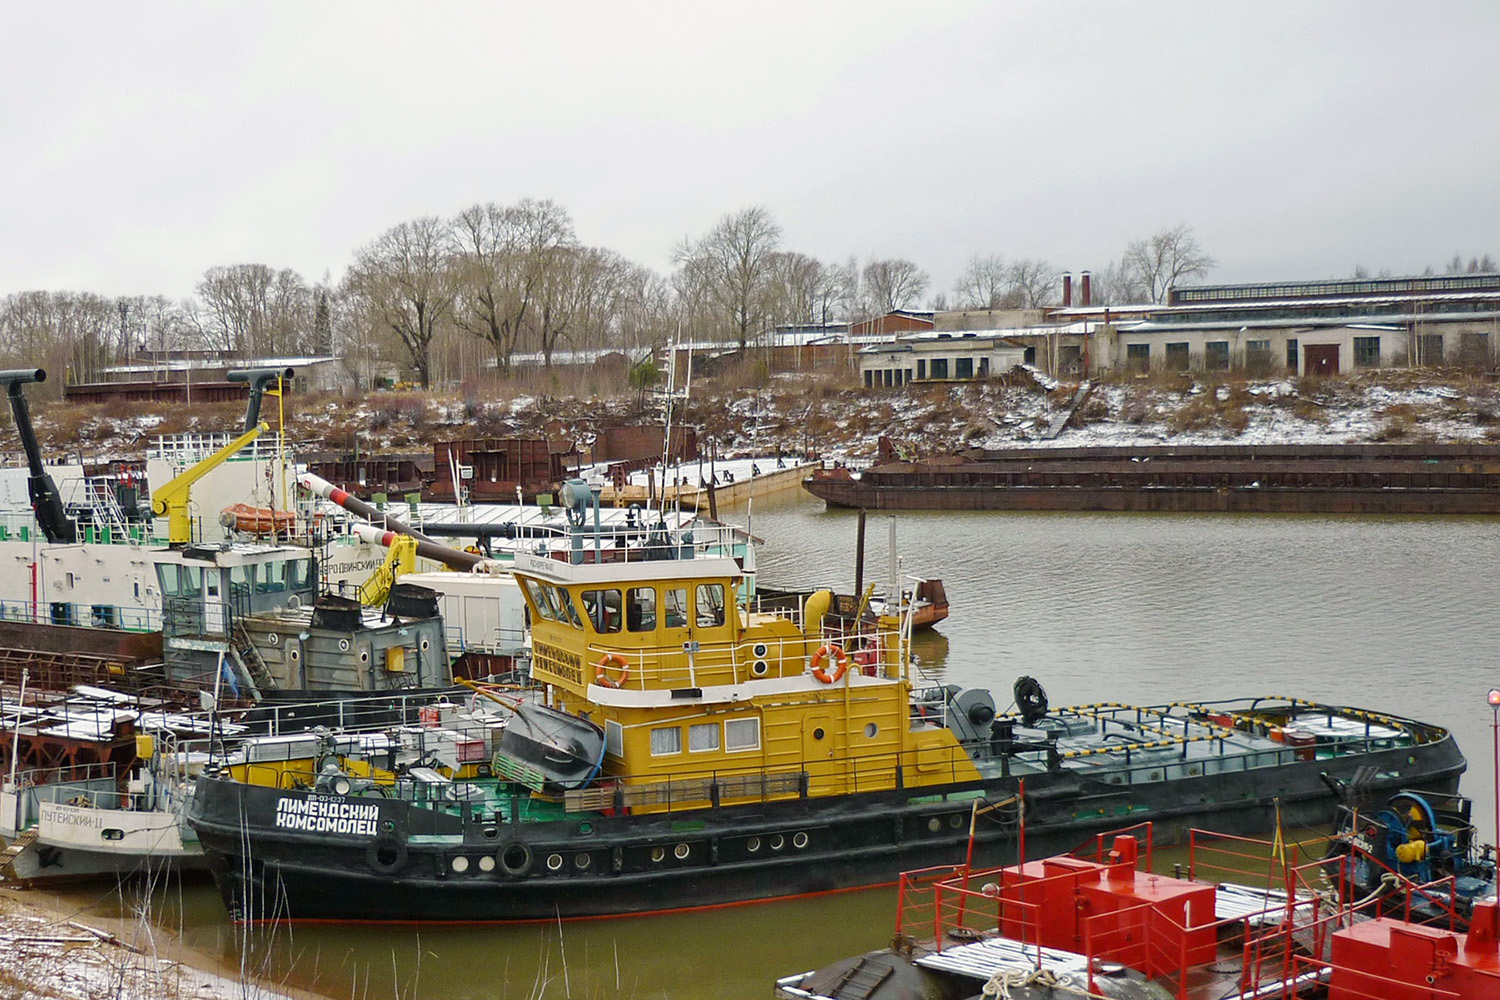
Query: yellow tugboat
(685, 749)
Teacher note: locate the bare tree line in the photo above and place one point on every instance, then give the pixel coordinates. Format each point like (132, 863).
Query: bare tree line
(508, 280)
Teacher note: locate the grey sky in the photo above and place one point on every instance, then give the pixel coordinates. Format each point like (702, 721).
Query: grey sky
(144, 143)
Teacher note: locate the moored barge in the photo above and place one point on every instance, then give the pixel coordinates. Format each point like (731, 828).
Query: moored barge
(1290, 479)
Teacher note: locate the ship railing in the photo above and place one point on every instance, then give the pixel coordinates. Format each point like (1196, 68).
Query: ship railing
(71, 613)
(1440, 895)
(653, 667)
(90, 795)
(1000, 902)
(696, 789)
(1364, 983)
(29, 784)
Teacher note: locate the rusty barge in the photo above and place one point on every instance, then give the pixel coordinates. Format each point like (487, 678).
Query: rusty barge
(1285, 479)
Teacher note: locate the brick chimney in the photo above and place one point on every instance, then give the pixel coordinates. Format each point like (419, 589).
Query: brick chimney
(1085, 294)
(1067, 290)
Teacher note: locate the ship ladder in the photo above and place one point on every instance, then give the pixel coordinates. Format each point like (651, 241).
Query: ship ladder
(102, 498)
(860, 980)
(247, 656)
(12, 851)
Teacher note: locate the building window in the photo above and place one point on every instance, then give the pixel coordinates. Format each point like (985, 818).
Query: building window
(922, 368)
(703, 736)
(1367, 352)
(1291, 355)
(1258, 356)
(963, 368)
(869, 379)
(665, 741)
(1138, 357)
(742, 734)
(939, 367)
(1177, 357)
(889, 379)
(1216, 355)
(1430, 349)
(984, 367)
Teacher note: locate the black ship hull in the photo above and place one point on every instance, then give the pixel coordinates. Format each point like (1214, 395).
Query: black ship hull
(278, 854)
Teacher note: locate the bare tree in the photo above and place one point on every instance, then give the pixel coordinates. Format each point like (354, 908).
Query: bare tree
(1033, 283)
(403, 277)
(501, 255)
(730, 270)
(893, 284)
(1154, 265)
(576, 297)
(254, 311)
(984, 284)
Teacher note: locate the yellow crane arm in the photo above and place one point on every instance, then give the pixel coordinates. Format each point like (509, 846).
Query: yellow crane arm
(171, 501)
(400, 559)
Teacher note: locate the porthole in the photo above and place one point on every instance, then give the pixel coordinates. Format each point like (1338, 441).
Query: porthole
(425, 644)
(681, 851)
(582, 861)
(585, 828)
(818, 733)
(486, 863)
(343, 645)
(273, 639)
(490, 833)
(955, 821)
(364, 656)
(759, 650)
(777, 842)
(460, 864)
(296, 654)
(934, 824)
(752, 845)
(871, 730)
(759, 668)
(554, 862)
(658, 855)
(799, 840)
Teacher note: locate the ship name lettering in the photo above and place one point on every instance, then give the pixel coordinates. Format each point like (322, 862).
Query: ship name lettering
(561, 662)
(316, 815)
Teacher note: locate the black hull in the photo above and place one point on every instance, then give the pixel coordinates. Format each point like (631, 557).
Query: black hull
(400, 865)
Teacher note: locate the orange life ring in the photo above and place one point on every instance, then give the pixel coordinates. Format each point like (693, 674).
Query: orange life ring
(612, 660)
(840, 657)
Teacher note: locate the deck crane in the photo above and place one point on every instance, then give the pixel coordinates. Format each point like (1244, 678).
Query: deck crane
(172, 500)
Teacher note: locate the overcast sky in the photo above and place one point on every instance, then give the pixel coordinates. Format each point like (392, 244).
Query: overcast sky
(144, 143)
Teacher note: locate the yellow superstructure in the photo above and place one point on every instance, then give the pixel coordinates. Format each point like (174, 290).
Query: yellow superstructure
(700, 696)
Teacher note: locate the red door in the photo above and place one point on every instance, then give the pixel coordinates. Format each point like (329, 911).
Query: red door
(1320, 359)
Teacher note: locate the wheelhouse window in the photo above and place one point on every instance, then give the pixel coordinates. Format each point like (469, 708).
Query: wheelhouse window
(666, 740)
(742, 734)
(541, 599)
(640, 609)
(710, 604)
(602, 608)
(614, 738)
(703, 736)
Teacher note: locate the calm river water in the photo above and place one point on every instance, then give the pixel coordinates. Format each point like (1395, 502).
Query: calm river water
(1385, 613)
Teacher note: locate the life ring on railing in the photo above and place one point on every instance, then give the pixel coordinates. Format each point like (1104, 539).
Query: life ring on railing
(841, 658)
(612, 660)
